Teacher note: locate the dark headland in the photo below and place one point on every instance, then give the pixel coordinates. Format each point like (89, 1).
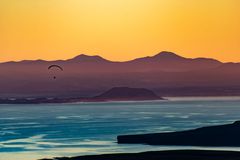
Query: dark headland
(114, 94)
(223, 135)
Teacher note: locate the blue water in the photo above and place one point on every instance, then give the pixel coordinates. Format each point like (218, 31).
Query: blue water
(31, 132)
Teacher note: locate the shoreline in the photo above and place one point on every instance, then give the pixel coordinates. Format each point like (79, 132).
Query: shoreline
(81, 101)
(163, 155)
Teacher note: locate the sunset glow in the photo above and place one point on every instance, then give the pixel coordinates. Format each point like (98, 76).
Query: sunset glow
(119, 29)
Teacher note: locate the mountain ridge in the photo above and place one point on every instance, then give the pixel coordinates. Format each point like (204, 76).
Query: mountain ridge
(166, 73)
(82, 57)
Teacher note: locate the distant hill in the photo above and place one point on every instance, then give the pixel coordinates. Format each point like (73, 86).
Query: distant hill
(126, 93)
(114, 94)
(166, 73)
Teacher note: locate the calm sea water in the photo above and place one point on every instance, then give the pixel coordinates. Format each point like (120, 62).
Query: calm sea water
(31, 132)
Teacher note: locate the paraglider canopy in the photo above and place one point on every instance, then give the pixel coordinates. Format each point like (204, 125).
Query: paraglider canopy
(55, 66)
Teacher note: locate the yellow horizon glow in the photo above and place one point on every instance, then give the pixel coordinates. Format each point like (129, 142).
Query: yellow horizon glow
(119, 30)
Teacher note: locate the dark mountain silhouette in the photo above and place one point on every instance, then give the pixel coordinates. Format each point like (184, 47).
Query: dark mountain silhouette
(86, 59)
(168, 61)
(166, 74)
(162, 56)
(222, 135)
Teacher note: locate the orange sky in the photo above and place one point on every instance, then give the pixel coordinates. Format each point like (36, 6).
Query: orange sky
(119, 29)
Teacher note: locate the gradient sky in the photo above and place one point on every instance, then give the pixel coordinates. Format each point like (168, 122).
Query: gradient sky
(119, 29)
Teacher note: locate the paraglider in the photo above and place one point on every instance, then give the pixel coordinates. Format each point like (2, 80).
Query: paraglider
(55, 66)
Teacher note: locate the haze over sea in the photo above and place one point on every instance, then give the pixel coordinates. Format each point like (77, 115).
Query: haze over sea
(31, 132)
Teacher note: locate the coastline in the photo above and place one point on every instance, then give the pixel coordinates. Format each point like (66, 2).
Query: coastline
(89, 100)
(163, 155)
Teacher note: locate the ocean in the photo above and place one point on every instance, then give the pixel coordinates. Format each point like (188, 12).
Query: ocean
(31, 132)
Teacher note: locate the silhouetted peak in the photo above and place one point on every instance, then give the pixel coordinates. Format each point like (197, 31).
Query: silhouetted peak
(168, 55)
(87, 58)
(161, 57)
